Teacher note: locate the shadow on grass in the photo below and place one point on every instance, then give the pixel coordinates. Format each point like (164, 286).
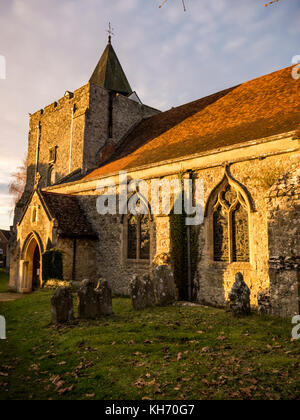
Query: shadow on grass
(159, 353)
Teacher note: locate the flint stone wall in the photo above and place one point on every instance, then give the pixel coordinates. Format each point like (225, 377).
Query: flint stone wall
(284, 244)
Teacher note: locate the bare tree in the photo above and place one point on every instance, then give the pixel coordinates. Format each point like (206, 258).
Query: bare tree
(165, 1)
(18, 181)
(184, 7)
(271, 2)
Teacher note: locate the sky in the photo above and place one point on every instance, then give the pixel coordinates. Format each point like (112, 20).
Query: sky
(170, 56)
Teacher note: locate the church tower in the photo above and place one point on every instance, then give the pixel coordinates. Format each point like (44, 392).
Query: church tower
(77, 133)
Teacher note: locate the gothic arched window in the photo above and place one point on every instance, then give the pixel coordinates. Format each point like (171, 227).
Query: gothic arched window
(138, 237)
(230, 222)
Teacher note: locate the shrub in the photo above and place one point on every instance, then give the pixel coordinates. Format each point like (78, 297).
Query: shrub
(53, 284)
(52, 265)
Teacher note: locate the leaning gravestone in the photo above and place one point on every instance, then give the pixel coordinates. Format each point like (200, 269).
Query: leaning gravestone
(142, 292)
(62, 306)
(104, 294)
(164, 283)
(88, 302)
(240, 297)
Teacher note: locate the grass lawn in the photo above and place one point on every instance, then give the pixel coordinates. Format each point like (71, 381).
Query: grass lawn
(161, 353)
(3, 281)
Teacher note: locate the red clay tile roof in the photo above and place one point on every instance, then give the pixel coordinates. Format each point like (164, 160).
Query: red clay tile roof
(263, 107)
(71, 219)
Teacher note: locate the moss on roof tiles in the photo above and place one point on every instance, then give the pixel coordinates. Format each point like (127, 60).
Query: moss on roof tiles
(266, 106)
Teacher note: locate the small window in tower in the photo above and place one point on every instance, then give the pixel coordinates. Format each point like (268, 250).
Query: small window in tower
(52, 154)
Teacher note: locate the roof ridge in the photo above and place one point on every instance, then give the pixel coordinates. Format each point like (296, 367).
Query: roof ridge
(263, 107)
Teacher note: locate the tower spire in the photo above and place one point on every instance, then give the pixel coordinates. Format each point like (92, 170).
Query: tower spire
(108, 72)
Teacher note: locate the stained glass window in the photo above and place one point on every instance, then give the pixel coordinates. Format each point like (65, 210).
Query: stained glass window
(138, 241)
(145, 238)
(230, 227)
(240, 234)
(221, 242)
(132, 238)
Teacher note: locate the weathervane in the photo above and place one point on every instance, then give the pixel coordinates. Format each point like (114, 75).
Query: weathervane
(110, 32)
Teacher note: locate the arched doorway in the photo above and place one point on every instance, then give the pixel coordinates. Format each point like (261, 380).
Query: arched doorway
(36, 269)
(32, 251)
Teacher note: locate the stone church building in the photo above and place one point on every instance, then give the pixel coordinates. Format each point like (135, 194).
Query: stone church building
(243, 142)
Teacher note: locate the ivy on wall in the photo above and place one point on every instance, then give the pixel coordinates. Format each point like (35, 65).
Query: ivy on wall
(179, 253)
(52, 265)
(179, 249)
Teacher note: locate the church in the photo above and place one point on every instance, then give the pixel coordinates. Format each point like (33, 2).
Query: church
(242, 142)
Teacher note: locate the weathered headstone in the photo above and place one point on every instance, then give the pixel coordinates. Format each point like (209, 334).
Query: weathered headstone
(142, 292)
(62, 306)
(88, 302)
(76, 285)
(240, 297)
(164, 283)
(104, 297)
(94, 299)
(264, 302)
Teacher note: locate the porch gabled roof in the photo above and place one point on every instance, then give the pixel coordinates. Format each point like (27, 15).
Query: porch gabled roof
(66, 210)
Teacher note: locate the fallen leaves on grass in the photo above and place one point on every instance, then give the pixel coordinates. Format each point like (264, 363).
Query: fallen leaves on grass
(141, 383)
(65, 390)
(90, 395)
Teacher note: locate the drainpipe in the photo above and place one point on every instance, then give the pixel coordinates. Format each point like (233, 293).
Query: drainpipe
(189, 257)
(74, 260)
(73, 109)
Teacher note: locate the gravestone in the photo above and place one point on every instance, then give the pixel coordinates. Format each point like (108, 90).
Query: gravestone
(264, 302)
(62, 306)
(94, 299)
(104, 297)
(164, 284)
(240, 297)
(142, 292)
(88, 302)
